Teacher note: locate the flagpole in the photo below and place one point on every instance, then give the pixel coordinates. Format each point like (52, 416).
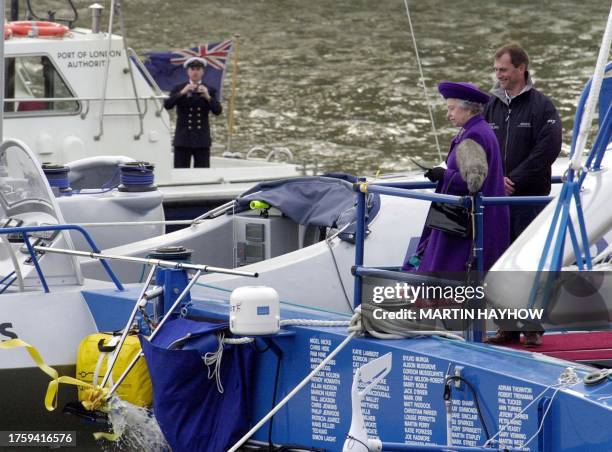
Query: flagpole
(230, 113)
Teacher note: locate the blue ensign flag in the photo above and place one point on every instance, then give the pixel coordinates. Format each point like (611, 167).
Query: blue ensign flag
(167, 67)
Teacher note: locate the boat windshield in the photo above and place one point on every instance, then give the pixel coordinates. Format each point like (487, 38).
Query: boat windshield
(22, 187)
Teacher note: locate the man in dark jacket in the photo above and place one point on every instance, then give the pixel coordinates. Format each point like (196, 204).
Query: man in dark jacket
(194, 100)
(528, 129)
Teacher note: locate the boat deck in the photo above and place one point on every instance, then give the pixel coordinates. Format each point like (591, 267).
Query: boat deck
(592, 347)
(506, 382)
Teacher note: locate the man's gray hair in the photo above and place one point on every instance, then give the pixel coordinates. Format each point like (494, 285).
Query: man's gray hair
(474, 107)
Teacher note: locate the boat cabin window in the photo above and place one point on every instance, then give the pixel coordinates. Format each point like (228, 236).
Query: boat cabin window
(32, 84)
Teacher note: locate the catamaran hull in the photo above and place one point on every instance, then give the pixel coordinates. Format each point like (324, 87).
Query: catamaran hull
(511, 279)
(408, 407)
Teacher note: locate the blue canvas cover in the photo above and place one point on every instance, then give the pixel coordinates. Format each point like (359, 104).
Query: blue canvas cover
(191, 412)
(313, 201)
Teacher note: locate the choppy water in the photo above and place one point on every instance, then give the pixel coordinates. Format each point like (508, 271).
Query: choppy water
(337, 81)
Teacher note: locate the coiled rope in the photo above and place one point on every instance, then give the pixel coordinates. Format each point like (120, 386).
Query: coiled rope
(57, 176)
(567, 378)
(136, 174)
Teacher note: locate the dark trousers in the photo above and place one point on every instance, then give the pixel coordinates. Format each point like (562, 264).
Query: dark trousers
(182, 157)
(521, 217)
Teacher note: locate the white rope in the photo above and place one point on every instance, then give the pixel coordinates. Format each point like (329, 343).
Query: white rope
(206, 215)
(567, 378)
(212, 360)
(355, 325)
(389, 330)
(238, 340)
(310, 322)
(516, 416)
(136, 223)
(422, 79)
(330, 238)
(589, 110)
(295, 390)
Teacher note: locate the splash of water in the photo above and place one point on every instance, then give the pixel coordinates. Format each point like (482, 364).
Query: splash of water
(136, 426)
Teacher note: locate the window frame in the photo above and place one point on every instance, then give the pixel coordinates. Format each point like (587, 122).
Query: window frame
(41, 113)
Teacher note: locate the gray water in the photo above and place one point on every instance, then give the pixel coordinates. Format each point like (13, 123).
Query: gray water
(337, 82)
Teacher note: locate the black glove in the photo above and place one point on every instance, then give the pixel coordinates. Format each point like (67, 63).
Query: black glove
(435, 174)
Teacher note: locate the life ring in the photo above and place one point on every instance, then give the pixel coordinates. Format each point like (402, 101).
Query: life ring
(37, 28)
(8, 33)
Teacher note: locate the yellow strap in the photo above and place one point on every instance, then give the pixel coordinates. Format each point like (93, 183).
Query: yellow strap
(98, 394)
(95, 396)
(14, 343)
(106, 436)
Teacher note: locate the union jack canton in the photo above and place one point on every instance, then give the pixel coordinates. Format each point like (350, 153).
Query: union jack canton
(166, 68)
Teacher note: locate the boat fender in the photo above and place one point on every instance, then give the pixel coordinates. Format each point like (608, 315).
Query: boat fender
(254, 310)
(37, 28)
(92, 358)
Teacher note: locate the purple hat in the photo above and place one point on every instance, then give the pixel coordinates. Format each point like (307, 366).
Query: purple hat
(463, 91)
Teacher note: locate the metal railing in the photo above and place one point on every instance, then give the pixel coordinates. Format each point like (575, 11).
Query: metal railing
(405, 190)
(24, 230)
(88, 100)
(96, 254)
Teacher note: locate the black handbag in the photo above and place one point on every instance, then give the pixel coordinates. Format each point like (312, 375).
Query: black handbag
(450, 218)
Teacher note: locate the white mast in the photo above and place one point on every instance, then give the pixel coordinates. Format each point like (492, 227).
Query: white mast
(2, 68)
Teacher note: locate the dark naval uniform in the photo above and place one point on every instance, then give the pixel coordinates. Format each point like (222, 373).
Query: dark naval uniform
(192, 135)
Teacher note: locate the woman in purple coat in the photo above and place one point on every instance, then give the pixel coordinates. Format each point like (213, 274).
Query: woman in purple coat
(473, 164)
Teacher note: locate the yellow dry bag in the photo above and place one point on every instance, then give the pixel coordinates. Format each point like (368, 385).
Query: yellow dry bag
(93, 356)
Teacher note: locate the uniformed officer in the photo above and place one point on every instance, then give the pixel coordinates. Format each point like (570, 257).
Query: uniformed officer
(193, 100)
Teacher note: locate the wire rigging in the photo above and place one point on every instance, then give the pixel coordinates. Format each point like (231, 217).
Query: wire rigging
(422, 79)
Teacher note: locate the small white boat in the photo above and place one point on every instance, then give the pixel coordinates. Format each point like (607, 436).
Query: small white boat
(82, 95)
